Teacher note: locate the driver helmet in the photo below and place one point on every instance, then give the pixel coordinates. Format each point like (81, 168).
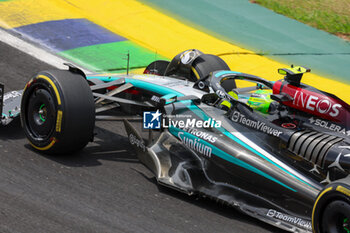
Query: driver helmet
(260, 100)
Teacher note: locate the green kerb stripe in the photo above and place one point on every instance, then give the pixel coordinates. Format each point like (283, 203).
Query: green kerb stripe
(111, 57)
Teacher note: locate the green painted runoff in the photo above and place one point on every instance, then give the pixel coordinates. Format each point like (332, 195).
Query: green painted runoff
(111, 57)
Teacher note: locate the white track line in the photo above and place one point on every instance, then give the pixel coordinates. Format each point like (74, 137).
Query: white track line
(35, 51)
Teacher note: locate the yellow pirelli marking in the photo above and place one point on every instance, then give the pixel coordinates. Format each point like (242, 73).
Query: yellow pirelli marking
(195, 73)
(25, 87)
(27, 84)
(54, 140)
(343, 190)
(53, 86)
(313, 210)
(59, 121)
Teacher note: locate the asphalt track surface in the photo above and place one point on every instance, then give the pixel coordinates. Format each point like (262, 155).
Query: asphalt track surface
(101, 189)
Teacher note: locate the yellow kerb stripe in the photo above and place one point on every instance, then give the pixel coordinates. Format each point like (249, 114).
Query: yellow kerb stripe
(167, 36)
(153, 30)
(19, 13)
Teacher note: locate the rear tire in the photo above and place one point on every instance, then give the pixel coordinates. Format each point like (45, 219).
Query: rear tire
(58, 112)
(331, 212)
(336, 217)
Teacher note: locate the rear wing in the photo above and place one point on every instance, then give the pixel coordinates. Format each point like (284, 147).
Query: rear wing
(1, 98)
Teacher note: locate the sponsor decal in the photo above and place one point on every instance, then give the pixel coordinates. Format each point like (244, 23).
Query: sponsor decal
(178, 83)
(195, 144)
(258, 125)
(337, 162)
(151, 120)
(137, 142)
(12, 94)
(200, 134)
(190, 123)
(155, 99)
(289, 219)
(329, 126)
(316, 104)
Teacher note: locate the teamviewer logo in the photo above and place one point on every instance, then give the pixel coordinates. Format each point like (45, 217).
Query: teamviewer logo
(151, 120)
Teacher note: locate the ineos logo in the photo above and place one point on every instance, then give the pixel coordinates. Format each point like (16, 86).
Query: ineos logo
(314, 103)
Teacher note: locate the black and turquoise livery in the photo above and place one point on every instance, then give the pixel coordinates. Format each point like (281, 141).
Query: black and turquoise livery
(258, 154)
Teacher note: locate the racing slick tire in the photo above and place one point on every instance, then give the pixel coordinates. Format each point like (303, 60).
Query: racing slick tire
(331, 211)
(207, 63)
(203, 65)
(157, 67)
(58, 112)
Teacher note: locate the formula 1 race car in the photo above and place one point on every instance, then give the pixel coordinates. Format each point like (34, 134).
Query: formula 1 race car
(278, 151)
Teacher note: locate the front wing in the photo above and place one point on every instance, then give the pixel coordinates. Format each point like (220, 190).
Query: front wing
(10, 105)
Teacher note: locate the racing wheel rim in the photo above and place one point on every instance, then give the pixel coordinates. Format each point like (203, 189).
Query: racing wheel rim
(336, 217)
(58, 112)
(41, 112)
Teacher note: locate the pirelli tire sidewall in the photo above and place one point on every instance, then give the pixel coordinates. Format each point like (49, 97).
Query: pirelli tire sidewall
(204, 64)
(74, 112)
(335, 192)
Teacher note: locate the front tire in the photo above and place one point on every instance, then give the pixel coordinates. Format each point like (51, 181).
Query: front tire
(204, 64)
(208, 63)
(58, 112)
